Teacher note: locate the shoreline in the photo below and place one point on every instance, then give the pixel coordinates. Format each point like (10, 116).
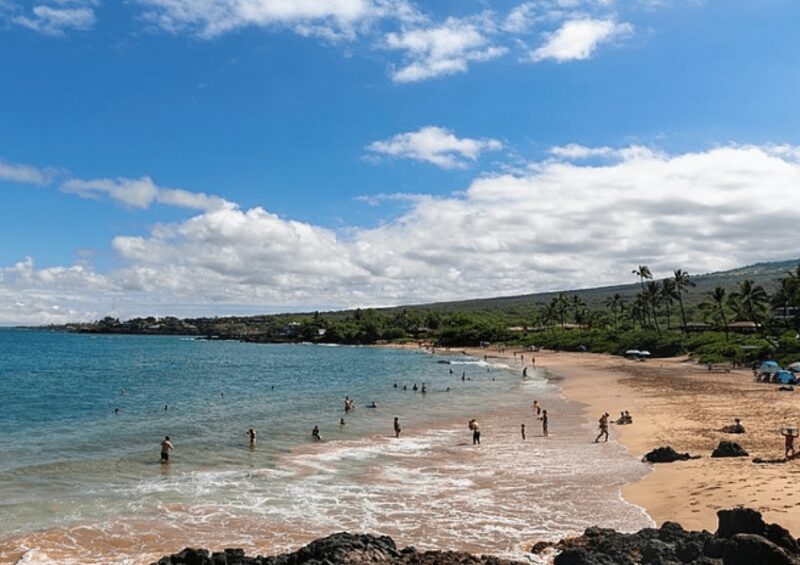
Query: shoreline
(677, 402)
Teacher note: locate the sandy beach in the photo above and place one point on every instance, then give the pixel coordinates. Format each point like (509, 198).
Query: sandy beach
(679, 403)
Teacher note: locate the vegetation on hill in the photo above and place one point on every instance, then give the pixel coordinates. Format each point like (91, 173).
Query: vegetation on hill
(739, 316)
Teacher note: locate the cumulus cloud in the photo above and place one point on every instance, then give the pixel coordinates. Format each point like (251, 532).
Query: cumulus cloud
(435, 145)
(443, 49)
(142, 193)
(58, 17)
(578, 39)
(559, 225)
(576, 151)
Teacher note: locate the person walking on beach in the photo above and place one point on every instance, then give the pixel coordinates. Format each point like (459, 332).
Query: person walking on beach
(252, 433)
(789, 434)
(537, 408)
(166, 447)
(476, 431)
(315, 434)
(543, 418)
(397, 429)
(603, 428)
(522, 430)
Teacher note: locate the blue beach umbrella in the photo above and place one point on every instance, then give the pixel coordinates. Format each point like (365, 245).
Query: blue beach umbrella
(785, 377)
(769, 367)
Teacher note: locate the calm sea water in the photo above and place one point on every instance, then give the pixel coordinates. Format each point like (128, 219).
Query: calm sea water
(79, 483)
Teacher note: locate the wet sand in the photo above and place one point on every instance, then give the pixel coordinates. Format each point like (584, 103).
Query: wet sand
(679, 403)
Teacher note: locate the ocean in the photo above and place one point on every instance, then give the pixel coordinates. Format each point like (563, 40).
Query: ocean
(80, 483)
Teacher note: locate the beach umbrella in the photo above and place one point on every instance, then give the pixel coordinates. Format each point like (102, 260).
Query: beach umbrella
(644, 353)
(633, 352)
(785, 377)
(794, 366)
(769, 367)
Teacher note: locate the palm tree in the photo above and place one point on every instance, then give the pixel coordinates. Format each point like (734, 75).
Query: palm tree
(616, 304)
(783, 297)
(638, 311)
(643, 272)
(560, 305)
(717, 297)
(668, 294)
(753, 299)
(682, 284)
(578, 306)
(653, 296)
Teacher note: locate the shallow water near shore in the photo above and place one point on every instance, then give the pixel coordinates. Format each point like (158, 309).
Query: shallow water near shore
(79, 484)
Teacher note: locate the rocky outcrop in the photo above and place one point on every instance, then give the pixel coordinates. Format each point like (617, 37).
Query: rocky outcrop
(337, 549)
(666, 455)
(729, 449)
(742, 538)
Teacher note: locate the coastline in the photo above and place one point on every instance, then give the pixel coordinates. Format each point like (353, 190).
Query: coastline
(679, 403)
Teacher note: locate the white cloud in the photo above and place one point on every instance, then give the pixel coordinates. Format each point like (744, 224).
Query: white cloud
(574, 151)
(506, 234)
(142, 193)
(577, 39)
(435, 145)
(330, 18)
(59, 17)
(25, 174)
(443, 49)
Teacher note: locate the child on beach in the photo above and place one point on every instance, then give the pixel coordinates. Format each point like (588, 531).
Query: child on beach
(789, 434)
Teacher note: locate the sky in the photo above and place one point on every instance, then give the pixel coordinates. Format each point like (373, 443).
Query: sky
(214, 157)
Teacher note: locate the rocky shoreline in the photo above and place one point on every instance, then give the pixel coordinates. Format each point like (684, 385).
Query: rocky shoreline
(742, 538)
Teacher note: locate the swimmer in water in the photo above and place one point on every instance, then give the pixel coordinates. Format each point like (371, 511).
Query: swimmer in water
(373, 405)
(166, 407)
(464, 376)
(315, 434)
(342, 422)
(252, 433)
(116, 411)
(424, 390)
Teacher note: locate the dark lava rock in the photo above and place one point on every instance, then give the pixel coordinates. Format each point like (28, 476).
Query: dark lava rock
(666, 455)
(752, 549)
(729, 449)
(337, 549)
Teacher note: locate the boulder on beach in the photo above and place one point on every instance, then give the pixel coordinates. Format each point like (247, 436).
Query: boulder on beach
(729, 449)
(742, 538)
(666, 455)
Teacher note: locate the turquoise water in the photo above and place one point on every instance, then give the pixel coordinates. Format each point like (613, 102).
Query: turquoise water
(79, 482)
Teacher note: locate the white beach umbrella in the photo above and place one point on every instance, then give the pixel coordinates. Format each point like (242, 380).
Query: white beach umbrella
(794, 366)
(644, 353)
(633, 352)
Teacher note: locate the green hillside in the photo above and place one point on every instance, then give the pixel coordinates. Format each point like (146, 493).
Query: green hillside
(764, 274)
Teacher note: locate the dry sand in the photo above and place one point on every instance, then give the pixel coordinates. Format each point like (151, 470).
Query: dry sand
(679, 403)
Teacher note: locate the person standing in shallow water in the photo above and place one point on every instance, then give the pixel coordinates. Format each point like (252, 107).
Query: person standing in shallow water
(166, 447)
(603, 428)
(252, 433)
(522, 430)
(315, 434)
(543, 418)
(476, 431)
(397, 429)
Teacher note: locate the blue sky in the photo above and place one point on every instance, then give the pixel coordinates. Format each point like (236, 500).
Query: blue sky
(398, 151)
